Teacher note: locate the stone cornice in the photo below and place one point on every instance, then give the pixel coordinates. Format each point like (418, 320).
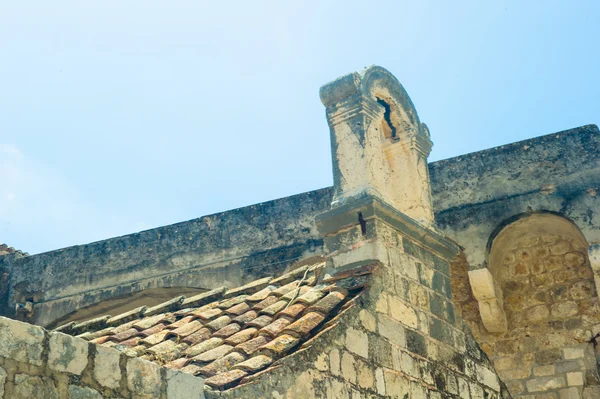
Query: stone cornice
(372, 208)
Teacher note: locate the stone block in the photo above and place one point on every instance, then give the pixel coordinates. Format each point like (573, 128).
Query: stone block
(575, 379)
(405, 363)
(348, 367)
(365, 375)
(380, 381)
(403, 313)
(28, 387)
(382, 306)
(368, 320)
(357, 342)
(392, 330)
(545, 384)
(184, 386)
(3, 375)
(143, 378)
(488, 378)
(67, 353)
(416, 343)
(106, 367)
(21, 341)
(544, 371)
(564, 309)
(537, 314)
(334, 362)
(569, 393)
(548, 356)
(396, 385)
(76, 392)
(463, 388)
(573, 353)
(476, 390)
(418, 391)
(571, 365)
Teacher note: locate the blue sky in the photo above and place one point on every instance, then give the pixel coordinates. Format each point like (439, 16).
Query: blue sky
(119, 116)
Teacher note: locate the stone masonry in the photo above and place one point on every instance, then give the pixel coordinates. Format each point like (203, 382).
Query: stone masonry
(35, 363)
(552, 314)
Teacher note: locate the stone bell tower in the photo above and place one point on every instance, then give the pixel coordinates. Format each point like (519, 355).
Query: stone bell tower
(380, 232)
(379, 146)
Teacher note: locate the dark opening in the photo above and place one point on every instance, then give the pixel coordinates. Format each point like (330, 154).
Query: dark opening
(387, 116)
(363, 224)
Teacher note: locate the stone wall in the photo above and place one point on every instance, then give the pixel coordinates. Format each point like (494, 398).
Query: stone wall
(476, 194)
(229, 249)
(553, 313)
(400, 339)
(473, 196)
(37, 364)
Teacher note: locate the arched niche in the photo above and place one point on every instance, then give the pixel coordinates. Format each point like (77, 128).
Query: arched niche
(540, 263)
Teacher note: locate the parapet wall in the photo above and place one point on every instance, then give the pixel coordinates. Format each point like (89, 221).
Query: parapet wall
(474, 195)
(477, 194)
(228, 249)
(37, 364)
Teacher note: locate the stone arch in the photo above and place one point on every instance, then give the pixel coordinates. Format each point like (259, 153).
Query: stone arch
(540, 281)
(540, 261)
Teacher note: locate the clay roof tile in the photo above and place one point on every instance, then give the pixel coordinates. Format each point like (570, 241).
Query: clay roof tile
(246, 317)
(273, 329)
(204, 346)
(213, 354)
(225, 380)
(249, 288)
(280, 346)
(227, 331)
(238, 309)
(254, 364)
(227, 303)
(198, 336)
(219, 323)
(241, 336)
(251, 346)
(222, 364)
(302, 327)
(204, 298)
(262, 294)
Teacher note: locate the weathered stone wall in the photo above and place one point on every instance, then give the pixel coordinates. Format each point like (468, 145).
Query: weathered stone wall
(37, 364)
(400, 339)
(553, 313)
(228, 249)
(473, 196)
(476, 194)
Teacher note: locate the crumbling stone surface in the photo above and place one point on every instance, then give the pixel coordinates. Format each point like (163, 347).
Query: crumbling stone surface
(21, 341)
(76, 392)
(106, 367)
(27, 387)
(67, 354)
(3, 376)
(553, 312)
(70, 370)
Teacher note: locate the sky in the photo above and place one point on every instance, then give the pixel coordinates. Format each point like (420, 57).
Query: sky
(119, 116)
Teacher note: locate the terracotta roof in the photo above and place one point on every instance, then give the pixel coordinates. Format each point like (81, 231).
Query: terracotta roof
(227, 335)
